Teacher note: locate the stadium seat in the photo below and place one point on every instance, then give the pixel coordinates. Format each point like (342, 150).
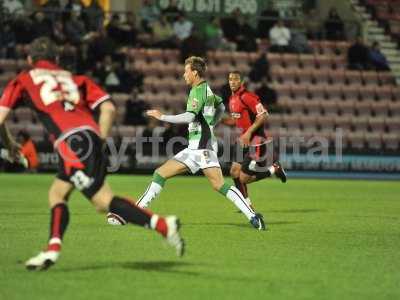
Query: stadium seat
(343, 122)
(369, 77)
(377, 124)
(326, 123)
(309, 123)
(353, 77)
(381, 108)
(347, 107)
(337, 77)
(393, 125)
(368, 93)
(307, 61)
(394, 109)
(360, 124)
(364, 108)
(356, 140)
(374, 141)
(331, 107)
(390, 141)
(292, 122)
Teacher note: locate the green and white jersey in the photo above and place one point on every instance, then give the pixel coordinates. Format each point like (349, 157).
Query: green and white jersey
(203, 103)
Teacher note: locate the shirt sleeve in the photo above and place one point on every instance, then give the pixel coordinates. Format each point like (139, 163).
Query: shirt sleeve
(11, 95)
(252, 101)
(94, 93)
(195, 103)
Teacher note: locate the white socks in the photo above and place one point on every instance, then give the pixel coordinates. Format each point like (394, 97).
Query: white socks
(152, 191)
(237, 198)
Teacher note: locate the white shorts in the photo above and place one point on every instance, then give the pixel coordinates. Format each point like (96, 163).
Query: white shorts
(198, 159)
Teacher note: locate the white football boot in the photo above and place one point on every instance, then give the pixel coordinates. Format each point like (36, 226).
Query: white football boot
(173, 237)
(42, 261)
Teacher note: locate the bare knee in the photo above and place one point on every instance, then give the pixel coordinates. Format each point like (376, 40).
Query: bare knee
(59, 192)
(244, 178)
(102, 199)
(235, 170)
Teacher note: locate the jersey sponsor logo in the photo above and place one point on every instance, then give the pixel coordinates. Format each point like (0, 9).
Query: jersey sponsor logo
(194, 126)
(260, 108)
(236, 115)
(209, 111)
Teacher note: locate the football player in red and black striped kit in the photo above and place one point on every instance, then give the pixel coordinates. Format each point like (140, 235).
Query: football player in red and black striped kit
(65, 104)
(249, 115)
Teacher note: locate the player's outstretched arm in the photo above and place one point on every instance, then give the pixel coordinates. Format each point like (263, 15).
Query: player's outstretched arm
(106, 118)
(9, 143)
(185, 118)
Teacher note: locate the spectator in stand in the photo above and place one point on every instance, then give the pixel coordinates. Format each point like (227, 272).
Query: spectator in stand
(172, 11)
(268, 96)
(28, 149)
(13, 7)
(246, 36)
(114, 30)
(312, 24)
(7, 41)
(182, 27)
(23, 25)
(148, 13)
(194, 45)
(58, 34)
(129, 29)
(280, 36)
(230, 26)
(299, 41)
(213, 33)
(334, 26)
(99, 47)
(73, 6)
(93, 16)
(52, 9)
(377, 59)
(358, 56)
(260, 69)
(163, 34)
(75, 28)
(267, 20)
(134, 110)
(41, 25)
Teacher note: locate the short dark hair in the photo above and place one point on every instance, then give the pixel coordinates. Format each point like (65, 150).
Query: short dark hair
(235, 72)
(197, 64)
(43, 48)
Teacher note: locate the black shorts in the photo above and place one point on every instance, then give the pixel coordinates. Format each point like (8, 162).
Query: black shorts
(83, 162)
(254, 159)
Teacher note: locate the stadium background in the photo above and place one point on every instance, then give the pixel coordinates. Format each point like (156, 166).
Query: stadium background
(317, 93)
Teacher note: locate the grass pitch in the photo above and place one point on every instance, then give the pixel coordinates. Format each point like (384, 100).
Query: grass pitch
(326, 240)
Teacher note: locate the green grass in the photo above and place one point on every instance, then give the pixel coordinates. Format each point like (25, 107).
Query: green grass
(327, 240)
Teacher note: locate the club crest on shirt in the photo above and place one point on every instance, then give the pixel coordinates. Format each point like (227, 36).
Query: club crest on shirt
(195, 103)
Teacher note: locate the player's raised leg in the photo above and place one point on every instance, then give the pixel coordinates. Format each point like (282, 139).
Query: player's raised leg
(59, 219)
(169, 169)
(129, 213)
(214, 175)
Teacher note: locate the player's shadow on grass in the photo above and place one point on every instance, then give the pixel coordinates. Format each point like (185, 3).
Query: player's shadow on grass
(243, 225)
(149, 266)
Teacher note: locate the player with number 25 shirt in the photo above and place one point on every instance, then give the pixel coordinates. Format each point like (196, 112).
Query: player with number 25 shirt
(65, 105)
